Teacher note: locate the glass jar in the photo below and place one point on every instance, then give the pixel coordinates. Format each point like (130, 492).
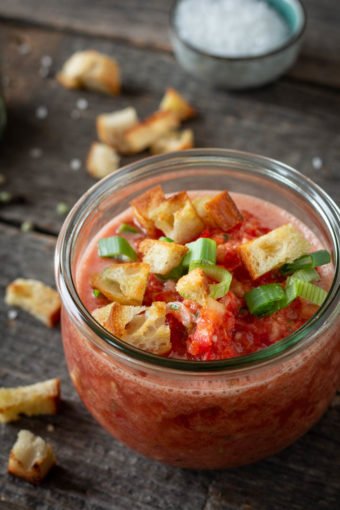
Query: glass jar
(195, 414)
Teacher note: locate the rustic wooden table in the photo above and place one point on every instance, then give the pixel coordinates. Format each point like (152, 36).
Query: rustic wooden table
(295, 120)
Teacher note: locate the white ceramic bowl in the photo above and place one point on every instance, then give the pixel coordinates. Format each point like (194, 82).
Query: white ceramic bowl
(243, 72)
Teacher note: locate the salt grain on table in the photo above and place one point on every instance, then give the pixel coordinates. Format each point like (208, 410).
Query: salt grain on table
(12, 315)
(36, 153)
(75, 164)
(46, 61)
(24, 49)
(41, 112)
(231, 28)
(317, 163)
(82, 104)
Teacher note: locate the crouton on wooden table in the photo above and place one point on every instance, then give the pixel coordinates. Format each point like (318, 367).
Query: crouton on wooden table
(91, 70)
(177, 218)
(31, 458)
(112, 126)
(174, 102)
(34, 399)
(124, 283)
(270, 251)
(142, 327)
(102, 160)
(173, 141)
(162, 256)
(35, 297)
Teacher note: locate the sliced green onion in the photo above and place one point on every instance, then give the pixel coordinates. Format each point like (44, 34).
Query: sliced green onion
(306, 275)
(96, 293)
(174, 274)
(265, 299)
(308, 291)
(316, 259)
(127, 228)
(116, 247)
(166, 239)
(203, 251)
(218, 273)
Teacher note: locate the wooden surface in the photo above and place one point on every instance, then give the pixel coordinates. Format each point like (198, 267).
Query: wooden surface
(294, 120)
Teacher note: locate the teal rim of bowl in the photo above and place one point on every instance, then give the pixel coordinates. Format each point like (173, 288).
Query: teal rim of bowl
(286, 10)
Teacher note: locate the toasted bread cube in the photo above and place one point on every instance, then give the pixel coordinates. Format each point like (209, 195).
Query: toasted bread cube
(173, 141)
(177, 218)
(91, 70)
(102, 314)
(124, 283)
(142, 205)
(270, 251)
(102, 160)
(174, 102)
(35, 297)
(31, 458)
(145, 133)
(112, 126)
(162, 256)
(142, 327)
(35, 399)
(219, 211)
(194, 286)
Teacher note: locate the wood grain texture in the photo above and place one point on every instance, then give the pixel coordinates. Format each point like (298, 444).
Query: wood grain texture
(146, 24)
(95, 472)
(287, 121)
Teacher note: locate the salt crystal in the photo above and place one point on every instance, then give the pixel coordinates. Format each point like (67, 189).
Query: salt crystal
(36, 153)
(317, 163)
(46, 61)
(12, 315)
(41, 112)
(50, 427)
(24, 48)
(82, 104)
(75, 164)
(231, 28)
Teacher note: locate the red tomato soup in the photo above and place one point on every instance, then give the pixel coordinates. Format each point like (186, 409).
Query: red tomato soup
(208, 420)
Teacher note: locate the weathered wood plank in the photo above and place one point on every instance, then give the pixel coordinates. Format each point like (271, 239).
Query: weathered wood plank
(147, 25)
(96, 472)
(287, 121)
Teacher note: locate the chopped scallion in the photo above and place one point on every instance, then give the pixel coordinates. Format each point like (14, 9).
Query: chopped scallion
(203, 251)
(308, 291)
(166, 239)
(116, 247)
(265, 299)
(218, 273)
(310, 261)
(127, 228)
(96, 293)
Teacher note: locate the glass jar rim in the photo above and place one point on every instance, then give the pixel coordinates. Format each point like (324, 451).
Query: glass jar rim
(279, 173)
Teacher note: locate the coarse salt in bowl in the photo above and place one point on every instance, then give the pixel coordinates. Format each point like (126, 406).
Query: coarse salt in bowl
(237, 44)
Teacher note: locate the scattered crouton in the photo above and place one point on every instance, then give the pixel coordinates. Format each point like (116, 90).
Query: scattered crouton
(194, 286)
(35, 399)
(162, 256)
(112, 126)
(142, 205)
(102, 160)
(173, 141)
(174, 102)
(124, 283)
(91, 70)
(142, 327)
(36, 298)
(177, 218)
(270, 251)
(219, 211)
(31, 458)
(145, 133)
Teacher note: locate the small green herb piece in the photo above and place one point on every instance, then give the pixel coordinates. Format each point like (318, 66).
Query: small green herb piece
(218, 273)
(96, 293)
(5, 197)
(166, 239)
(116, 247)
(26, 226)
(62, 208)
(316, 259)
(203, 251)
(127, 228)
(265, 299)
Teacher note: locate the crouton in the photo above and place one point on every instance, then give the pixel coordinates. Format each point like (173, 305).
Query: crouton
(112, 126)
(162, 256)
(146, 132)
(102, 160)
(194, 286)
(142, 327)
(270, 251)
(219, 211)
(177, 218)
(36, 298)
(91, 70)
(173, 141)
(174, 102)
(102, 314)
(35, 399)
(31, 458)
(124, 283)
(142, 205)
